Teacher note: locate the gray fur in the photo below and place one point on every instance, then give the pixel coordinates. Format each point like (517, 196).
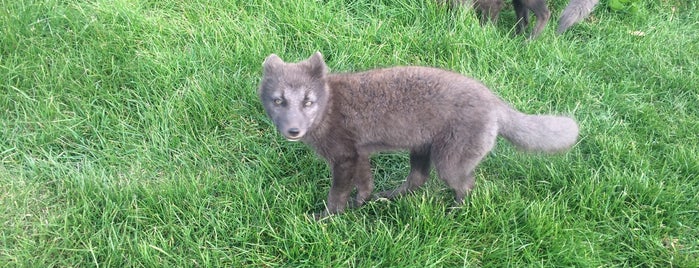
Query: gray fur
(576, 11)
(489, 10)
(443, 118)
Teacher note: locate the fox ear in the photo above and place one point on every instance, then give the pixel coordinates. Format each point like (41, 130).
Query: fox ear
(271, 63)
(318, 67)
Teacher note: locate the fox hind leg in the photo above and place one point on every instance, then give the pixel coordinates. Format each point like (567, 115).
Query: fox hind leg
(540, 10)
(419, 173)
(455, 159)
(489, 10)
(542, 17)
(461, 183)
(522, 16)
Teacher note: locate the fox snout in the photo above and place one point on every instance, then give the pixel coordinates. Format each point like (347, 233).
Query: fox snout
(293, 124)
(292, 130)
(293, 134)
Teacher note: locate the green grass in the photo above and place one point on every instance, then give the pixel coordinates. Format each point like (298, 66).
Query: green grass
(131, 135)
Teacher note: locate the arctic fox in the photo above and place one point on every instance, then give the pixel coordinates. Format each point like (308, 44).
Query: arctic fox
(443, 118)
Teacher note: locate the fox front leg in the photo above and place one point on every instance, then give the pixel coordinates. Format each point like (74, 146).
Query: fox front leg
(363, 180)
(343, 170)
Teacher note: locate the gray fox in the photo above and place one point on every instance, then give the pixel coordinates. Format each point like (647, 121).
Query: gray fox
(443, 118)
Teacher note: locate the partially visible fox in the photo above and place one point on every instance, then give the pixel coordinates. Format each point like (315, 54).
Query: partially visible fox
(576, 11)
(443, 118)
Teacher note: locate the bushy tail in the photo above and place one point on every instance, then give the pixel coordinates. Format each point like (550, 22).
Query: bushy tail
(576, 11)
(538, 133)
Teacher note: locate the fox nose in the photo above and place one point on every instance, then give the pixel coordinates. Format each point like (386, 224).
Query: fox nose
(293, 132)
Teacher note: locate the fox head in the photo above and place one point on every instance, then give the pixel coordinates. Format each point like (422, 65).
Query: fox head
(294, 95)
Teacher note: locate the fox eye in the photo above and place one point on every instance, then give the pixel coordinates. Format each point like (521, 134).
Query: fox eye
(307, 103)
(278, 101)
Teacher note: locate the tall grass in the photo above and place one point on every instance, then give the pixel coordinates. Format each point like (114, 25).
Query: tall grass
(131, 135)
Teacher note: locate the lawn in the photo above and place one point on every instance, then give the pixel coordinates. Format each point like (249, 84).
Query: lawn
(131, 135)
